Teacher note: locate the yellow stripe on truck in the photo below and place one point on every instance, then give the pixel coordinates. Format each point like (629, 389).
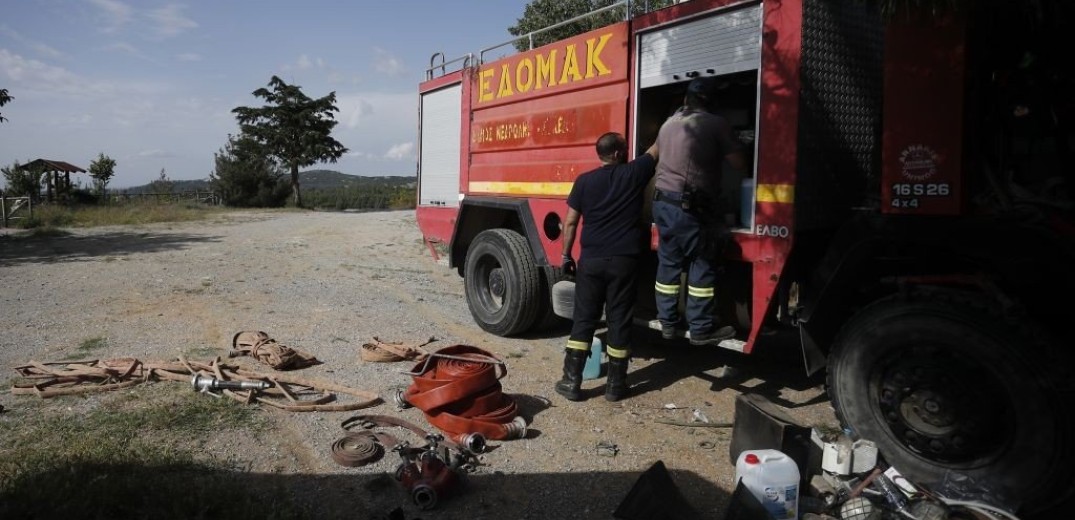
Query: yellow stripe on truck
(784, 193)
(521, 188)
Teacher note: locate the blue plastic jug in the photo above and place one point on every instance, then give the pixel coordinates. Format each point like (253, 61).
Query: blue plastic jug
(592, 369)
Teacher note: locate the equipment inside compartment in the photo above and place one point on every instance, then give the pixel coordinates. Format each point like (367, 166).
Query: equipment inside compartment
(737, 102)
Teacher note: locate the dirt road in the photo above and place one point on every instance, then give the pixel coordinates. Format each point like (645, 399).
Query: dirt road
(327, 283)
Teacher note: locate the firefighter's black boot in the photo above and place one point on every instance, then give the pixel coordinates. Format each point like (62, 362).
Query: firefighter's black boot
(569, 386)
(616, 387)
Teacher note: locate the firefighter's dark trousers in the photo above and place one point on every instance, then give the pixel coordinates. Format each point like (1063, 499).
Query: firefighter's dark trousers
(680, 247)
(604, 283)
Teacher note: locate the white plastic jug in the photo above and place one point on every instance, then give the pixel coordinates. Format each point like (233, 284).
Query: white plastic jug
(773, 478)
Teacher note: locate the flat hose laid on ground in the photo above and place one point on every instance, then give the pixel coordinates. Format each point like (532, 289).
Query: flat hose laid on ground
(358, 449)
(458, 388)
(285, 391)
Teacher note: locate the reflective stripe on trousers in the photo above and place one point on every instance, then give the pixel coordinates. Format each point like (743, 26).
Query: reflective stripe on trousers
(679, 247)
(604, 283)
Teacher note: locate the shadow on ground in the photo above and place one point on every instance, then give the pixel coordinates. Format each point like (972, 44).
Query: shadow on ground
(767, 371)
(182, 492)
(16, 249)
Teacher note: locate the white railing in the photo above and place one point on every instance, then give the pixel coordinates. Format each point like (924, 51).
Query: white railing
(469, 58)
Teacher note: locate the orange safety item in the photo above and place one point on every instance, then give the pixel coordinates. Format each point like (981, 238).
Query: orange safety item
(458, 388)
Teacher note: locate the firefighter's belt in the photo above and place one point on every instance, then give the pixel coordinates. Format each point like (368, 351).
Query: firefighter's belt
(669, 197)
(458, 388)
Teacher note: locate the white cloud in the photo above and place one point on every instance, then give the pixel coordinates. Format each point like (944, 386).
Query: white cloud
(354, 110)
(116, 14)
(170, 21)
(155, 153)
(304, 62)
(38, 47)
(400, 151)
(189, 56)
(375, 122)
(125, 48)
(385, 63)
(37, 76)
(80, 120)
(46, 51)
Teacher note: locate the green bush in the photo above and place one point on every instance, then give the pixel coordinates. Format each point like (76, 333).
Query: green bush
(246, 178)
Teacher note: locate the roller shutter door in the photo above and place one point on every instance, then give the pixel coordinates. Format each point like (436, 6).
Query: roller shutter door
(725, 42)
(438, 164)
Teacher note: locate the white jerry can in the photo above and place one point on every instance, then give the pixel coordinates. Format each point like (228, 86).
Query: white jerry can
(773, 478)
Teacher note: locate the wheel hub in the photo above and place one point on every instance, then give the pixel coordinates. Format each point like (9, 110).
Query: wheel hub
(935, 406)
(928, 411)
(497, 284)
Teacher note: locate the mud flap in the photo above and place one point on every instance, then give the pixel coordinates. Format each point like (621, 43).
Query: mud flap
(760, 424)
(813, 358)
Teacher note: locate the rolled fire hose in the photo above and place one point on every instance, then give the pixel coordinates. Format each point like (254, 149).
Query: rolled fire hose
(358, 449)
(458, 388)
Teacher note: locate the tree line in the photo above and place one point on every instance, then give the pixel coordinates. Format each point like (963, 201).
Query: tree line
(373, 197)
(259, 166)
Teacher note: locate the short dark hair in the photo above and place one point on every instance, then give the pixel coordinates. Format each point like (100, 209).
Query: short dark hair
(701, 93)
(610, 143)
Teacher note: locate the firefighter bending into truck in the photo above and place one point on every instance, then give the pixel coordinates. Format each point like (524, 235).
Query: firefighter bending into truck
(694, 142)
(609, 200)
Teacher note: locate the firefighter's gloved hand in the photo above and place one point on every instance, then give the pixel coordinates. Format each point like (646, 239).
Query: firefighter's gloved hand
(568, 265)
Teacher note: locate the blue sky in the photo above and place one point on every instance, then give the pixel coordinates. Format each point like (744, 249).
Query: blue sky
(152, 84)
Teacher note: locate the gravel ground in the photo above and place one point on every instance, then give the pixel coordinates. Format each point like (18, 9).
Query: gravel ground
(328, 282)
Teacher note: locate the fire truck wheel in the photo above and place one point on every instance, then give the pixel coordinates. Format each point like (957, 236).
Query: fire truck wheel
(945, 387)
(502, 282)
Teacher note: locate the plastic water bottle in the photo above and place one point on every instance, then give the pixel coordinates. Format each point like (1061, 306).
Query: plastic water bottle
(746, 202)
(773, 478)
(592, 369)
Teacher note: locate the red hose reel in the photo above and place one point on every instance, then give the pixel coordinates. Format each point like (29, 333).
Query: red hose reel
(458, 388)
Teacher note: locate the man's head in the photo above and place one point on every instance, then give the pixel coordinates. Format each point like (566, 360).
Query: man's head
(701, 93)
(612, 148)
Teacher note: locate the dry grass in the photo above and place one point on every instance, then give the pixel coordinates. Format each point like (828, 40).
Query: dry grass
(54, 216)
(133, 455)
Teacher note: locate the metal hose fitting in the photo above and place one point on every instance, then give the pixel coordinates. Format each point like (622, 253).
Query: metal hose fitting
(204, 383)
(473, 442)
(400, 400)
(516, 429)
(424, 496)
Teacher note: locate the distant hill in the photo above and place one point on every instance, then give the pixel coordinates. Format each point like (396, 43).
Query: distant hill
(329, 179)
(308, 180)
(177, 186)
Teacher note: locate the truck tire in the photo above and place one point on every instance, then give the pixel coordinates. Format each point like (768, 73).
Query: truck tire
(502, 282)
(941, 384)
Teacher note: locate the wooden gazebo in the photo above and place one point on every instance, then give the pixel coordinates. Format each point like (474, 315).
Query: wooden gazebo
(55, 184)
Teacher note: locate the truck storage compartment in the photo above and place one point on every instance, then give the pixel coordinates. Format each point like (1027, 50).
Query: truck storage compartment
(737, 104)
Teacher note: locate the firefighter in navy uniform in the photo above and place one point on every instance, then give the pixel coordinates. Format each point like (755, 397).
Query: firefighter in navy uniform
(694, 143)
(609, 200)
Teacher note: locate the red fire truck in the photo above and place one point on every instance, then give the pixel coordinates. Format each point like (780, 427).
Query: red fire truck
(904, 216)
